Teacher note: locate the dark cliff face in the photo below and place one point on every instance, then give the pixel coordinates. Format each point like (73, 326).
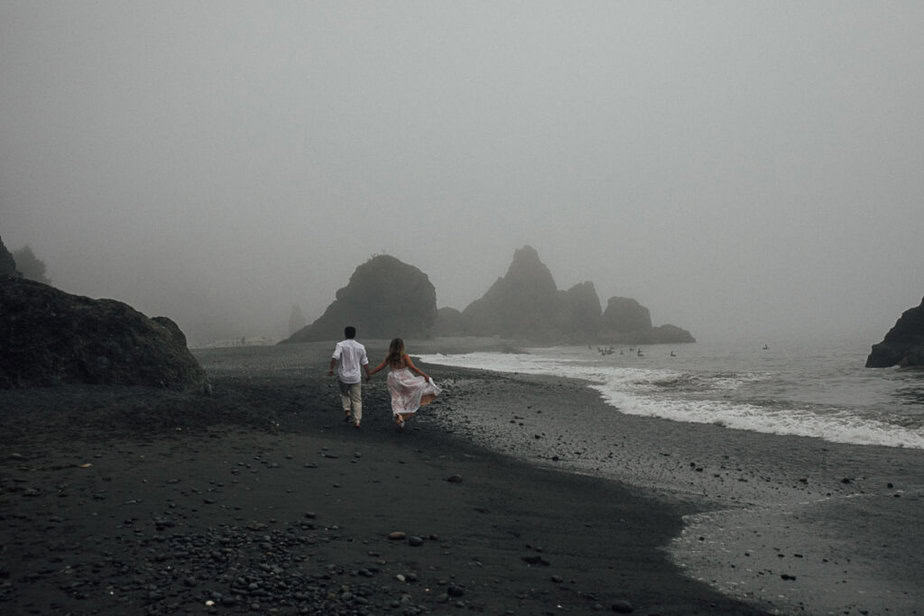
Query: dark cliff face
(7, 263)
(384, 298)
(903, 345)
(48, 337)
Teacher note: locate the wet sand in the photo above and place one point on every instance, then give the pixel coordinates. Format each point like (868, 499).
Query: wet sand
(259, 499)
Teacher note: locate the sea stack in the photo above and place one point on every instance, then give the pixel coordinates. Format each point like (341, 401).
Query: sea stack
(384, 298)
(903, 345)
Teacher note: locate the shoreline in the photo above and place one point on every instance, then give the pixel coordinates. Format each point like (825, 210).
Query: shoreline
(786, 520)
(259, 499)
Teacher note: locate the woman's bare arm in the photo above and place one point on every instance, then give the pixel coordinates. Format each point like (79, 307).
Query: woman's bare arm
(410, 364)
(376, 369)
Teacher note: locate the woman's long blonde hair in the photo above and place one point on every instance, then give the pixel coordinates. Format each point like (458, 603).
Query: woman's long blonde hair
(395, 352)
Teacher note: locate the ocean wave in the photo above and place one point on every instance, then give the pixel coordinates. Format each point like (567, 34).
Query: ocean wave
(682, 396)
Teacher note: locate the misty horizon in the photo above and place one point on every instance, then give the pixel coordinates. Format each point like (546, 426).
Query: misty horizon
(741, 170)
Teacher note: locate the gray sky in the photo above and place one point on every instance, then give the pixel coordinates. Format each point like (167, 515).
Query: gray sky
(737, 167)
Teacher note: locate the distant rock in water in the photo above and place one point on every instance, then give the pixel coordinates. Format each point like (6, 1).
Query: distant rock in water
(524, 303)
(625, 321)
(624, 315)
(385, 298)
(580, 312)
(7, 263)
(903, 345)
(297, 319)
(49, 337)
(449, 322)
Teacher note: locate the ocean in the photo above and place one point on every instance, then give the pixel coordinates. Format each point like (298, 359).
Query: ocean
(796, 389)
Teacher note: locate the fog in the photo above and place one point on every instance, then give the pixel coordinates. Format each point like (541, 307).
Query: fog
(744, 169)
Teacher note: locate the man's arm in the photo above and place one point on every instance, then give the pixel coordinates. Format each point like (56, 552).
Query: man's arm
(333, 364)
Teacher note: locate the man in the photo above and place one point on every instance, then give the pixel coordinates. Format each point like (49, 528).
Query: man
(349, 358)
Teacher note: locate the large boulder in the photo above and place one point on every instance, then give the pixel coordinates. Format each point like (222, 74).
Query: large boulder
(903, 345)
(385, 298)
(524, 303)
(7, 263)
(49, 337)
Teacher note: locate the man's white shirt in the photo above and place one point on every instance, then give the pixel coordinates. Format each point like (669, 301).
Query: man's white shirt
(350, 356)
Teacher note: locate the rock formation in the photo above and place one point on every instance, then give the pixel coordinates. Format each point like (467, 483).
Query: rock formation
(449, 322)
(580, 316)
(297, 319)
(385, 298)
(624, 315)
(625, 321)
(903, 345)
(30, 266)
(7, 263)
(49, 337)
(525, 303)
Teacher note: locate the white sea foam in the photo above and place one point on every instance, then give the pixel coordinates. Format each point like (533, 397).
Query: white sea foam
(687, 397)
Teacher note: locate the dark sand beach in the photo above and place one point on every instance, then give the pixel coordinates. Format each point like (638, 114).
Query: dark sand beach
(259, 499)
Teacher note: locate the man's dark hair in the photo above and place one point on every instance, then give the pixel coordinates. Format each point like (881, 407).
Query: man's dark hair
(349, 331)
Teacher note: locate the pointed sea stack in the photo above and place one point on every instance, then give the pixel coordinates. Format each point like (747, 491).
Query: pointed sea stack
(385, 298)
(903, 345)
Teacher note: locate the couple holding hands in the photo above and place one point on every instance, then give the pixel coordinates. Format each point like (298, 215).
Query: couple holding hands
(409, 387)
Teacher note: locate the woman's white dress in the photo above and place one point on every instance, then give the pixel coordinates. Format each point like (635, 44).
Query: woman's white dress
(407, 389)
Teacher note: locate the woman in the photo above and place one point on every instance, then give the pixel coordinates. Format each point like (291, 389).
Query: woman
(408, 392)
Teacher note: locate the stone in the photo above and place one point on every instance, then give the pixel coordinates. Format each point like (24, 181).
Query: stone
(903, 345)
(622, 607)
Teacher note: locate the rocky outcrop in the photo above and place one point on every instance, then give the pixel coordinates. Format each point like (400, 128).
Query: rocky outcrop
(580, 317)
(903, 345)
(524, 303)
(384, 298)
(624, 315)
(7, 263)
(49, 337)
(625, 321)
(449, 322)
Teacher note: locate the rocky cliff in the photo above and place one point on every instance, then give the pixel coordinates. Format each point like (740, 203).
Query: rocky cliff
(384, 298)
(49, 337)
(903, 345)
